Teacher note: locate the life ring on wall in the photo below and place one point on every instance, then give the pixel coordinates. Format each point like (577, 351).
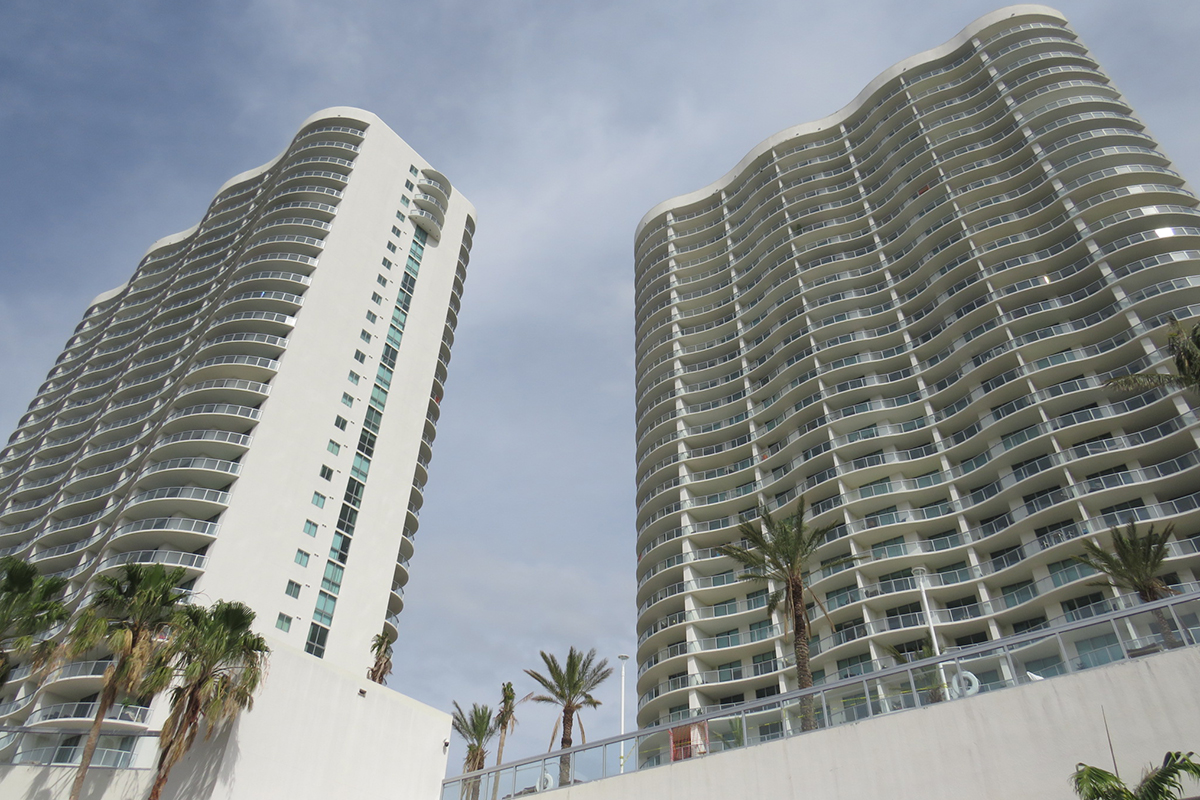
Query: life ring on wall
(964, 684)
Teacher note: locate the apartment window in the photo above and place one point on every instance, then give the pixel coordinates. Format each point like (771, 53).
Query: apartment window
(347, 519)
(340, 423)
(341, 547)
(757, 599)
(317, 636)
(396, 231)
(730, 672)
(408, 283)
(387, 264)
(365, 336)
(292, 590)
(326, 603)
(391, 246)
(302, 558)
(400, 216)
(1033, 624)
(729, 638)
(760, 630)
(326, 473)
(371, 317)
(318, 500)
(361, 467)
(332, 580)
(353, 377)
(413, 170)
(347, 400)
(333, 447)
(412, 265)
(409, 185)
(404, 200)
(283, 622)
(382, 281)
(766, 691)
(376, 298)
(360, 356)
(366, 443)
(764, 663)
(310, 527)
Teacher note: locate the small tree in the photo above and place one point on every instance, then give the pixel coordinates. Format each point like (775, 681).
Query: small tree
(1158, 783)
(1133, 565)
(476, 729)
(1184, 348)
(218, 663)
(570, 686)
(381, 649)
(128, 616)
(779, 553)
(29, 605)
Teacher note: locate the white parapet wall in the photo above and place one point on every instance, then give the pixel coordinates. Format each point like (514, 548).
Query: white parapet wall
(996, 746)
(311, 736)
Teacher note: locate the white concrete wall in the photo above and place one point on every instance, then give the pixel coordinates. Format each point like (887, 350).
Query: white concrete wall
(1022, 742)
(310, 737)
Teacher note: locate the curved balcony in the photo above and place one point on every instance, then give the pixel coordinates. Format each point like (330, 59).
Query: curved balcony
(431, 204)
(193, 501)
(211, 415)
(79, 716)
(80, 677)
(212, 473)
(191, 563)
(255, 368)
(69, 755)
(183, 533)
(427, 222)
(432, 186)
(218, 443)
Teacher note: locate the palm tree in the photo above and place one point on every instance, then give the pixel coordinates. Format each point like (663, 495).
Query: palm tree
(218, 663)
(1133, 565)
(381, 649)
(1184, 348)
(778, 555)
(128, 615)
(29, 605)
(570, 686)
(506, 722)
(476, 729)
(1159, 783)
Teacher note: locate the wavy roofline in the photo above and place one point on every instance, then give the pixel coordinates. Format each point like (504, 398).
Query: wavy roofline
(1002, 15)
(351, 112)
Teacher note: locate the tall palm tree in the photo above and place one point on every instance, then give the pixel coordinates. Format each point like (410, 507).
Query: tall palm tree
(1184, 348)
(29, 605)
(218, 663)
(1133, 565)
(128, 616)
(779, 555)
(1159, 783)
(476, 729)
(506, 716)
(570, 686)
(381, 649)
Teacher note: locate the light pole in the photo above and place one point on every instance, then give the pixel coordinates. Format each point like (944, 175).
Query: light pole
(623, 658)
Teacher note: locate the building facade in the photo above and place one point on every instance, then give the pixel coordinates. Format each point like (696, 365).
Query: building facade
(905, 314)
(256, 406)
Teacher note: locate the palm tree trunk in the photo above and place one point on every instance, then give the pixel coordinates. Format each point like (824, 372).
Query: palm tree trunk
(1170, 640)
(499, 761)
(108, 697)
(808, 716)
(564, 761)
(175, 748)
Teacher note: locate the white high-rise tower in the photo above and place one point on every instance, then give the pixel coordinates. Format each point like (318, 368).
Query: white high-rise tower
(905, 313)
(256, 405)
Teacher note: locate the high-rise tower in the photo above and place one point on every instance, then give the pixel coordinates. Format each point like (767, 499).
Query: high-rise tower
(257, 406)
(905, 313)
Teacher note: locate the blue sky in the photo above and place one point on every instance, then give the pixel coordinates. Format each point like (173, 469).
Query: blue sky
(564, 122)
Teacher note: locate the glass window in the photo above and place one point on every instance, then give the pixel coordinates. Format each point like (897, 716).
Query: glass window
(371, 317)
(382, 281)
(396, 231)
(347, 400)
(399, 216)
(318, 500)
(302, 558)
(326, 473)
(326, 603)
(283, 622)
(310, 527)
(353, 377)
(391, 246)
(413, 170)
(376, 298)
(332, 581)
(340, 423)
(408, 185)
(333, 447)
(317, 636)
(404, 200)
(412, 265)
(360, 356)
(387, 264)
(372, 419)
(361, 467)
(341, 547)
(292, 590)
(365, 336)
(378, 397)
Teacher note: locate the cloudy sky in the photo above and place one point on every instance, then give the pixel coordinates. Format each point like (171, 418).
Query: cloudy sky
(564, 122)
